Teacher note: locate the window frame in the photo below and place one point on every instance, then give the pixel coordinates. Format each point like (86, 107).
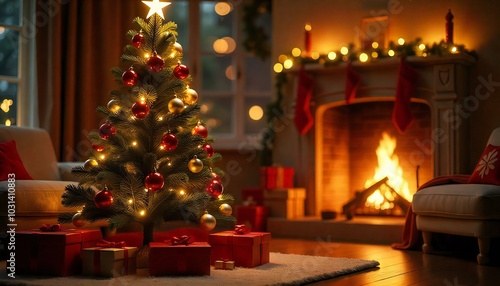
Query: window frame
(26, 97)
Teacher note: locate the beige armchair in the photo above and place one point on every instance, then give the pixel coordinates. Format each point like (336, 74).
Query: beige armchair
(37, 201)
(470, 209)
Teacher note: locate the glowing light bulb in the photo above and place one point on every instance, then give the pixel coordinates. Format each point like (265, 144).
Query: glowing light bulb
(146, 190)
(344, 50)
(102, 157)
(421, 47)
(223, 8)
(315, 55)
(146, 55)
(391, 53)
(134, 143)
(278, 68)
(374, 55)
(182, 192)
(296, 52)
(160, 118)
(282, 58)
(363, 57)
(454, 49)
(288, 64)
(130, 201)
(142, 213)
(7, 122)
(401, 41)
(256, 112)
(332, 55)
(374, 45)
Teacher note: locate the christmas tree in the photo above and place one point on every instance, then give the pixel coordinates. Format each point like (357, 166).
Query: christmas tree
(152, 159)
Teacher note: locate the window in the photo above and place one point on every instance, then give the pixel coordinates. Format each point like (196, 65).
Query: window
(17, 50)
(234, 86)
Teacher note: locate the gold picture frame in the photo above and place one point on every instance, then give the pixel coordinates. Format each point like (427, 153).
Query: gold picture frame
(374, 29)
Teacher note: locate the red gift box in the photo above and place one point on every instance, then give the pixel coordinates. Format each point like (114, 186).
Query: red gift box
(169, 260)
(253, 217)
(276, 177)
(246, 250)
(55, 253)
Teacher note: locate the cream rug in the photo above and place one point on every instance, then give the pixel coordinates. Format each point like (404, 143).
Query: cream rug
(284, 269)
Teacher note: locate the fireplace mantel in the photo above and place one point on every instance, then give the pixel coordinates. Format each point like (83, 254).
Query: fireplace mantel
(443, 84)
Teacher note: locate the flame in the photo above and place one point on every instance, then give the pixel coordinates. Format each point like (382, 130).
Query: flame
(388, 166)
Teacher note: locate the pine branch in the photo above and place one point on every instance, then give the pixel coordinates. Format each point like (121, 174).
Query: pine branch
(134, 59)
(77, 196)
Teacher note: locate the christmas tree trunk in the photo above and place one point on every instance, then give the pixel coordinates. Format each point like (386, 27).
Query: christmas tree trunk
(152, 159)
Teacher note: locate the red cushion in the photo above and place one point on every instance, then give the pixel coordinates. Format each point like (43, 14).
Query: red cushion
(10, 163)
(487, 170)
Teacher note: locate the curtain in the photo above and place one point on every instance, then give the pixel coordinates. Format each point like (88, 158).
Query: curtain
(78, 42)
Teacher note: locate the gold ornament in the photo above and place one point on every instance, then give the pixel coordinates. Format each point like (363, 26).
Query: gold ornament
(114, 105)
(195, 165)
(191, 96)
(226, 209)
(207, 221)
(89, 164)
(175, 105)
(178, 48)
(78, 220)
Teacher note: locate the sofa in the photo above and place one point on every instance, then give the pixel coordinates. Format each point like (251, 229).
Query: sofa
(38, 200)
(469, 208)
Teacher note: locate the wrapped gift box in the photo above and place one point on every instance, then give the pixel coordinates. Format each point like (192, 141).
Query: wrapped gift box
(224, 264)
(53, 253)
(246, 250)
(252, 196)
(285, 203)
(172, 260)
(276, 177)
(254, 217)
(109, 261)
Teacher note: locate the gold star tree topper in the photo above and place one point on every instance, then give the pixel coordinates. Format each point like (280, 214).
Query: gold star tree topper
(156, 6)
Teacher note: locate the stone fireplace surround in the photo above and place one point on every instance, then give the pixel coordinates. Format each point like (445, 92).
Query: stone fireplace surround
(443, 84)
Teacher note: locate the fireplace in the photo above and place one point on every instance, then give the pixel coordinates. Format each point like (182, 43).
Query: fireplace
(361, 147)
(339, 153)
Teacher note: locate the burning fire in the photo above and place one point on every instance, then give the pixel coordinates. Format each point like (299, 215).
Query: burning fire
(388, 166)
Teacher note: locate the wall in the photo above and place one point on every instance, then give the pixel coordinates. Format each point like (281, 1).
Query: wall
(334, 24)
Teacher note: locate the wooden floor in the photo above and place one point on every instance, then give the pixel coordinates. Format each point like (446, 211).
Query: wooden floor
(397, 267)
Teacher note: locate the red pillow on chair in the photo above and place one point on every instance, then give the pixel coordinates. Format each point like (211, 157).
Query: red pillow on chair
(487, 170)
(10, 163)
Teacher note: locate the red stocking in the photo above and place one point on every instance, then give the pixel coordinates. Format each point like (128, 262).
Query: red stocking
(402, 118)
(352, 83)
(303, 117)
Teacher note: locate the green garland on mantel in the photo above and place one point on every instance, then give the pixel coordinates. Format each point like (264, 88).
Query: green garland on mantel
(275, 109)
(256, 39)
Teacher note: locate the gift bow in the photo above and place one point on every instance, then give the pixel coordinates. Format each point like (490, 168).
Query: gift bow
(241, 229)
(180, 240)
(46, 227)
(111, 244)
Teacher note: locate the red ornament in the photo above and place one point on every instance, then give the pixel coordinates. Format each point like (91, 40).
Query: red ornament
(209, 149)
(129, 77)
(155, 63)
(181, 71)
(138, 40)
(200, 130)
(154, 182)
(214, 188)
(140, 109)
(97, 148)
(107, 130)
(103, 199)
(169, 142)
